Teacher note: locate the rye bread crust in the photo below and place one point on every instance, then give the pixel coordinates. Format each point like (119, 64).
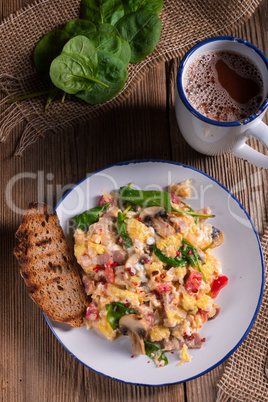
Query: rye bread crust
(48, 267)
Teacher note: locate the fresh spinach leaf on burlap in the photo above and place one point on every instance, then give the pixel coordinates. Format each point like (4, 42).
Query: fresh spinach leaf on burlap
(82, 46)
(125, 48)
(142, 31)
(112, 72)
(49, 47)
(125, 52)
(106, 42)
(99, 11)
(109, 28)
(79, 27)
(75, 68)
(130, 6)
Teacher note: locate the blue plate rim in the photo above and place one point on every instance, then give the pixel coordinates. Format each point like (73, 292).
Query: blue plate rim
(261, 256)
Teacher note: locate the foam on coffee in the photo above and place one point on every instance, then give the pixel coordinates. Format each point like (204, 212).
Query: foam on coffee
(223, 86)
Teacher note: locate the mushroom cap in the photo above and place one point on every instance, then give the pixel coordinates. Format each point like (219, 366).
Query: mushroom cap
(154, 216)
(217, 237)
(151, 212)
(136, 328)
(134, 259)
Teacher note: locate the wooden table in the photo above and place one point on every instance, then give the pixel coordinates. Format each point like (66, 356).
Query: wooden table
(33, 364)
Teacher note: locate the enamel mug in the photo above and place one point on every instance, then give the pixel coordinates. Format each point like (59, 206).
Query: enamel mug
(213, 137)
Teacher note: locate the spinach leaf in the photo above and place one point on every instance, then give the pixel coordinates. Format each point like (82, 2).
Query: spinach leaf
(112, 72)
(142, 31)
(174, 262)
(153, 199)
(121, 229)
(130, 6)
(76, 68)
(100, 11)
(125, 52)
(112, 45)
(49, 47)
(115, 311)
(89, 217)
(79, 27)
(72, 73)
(81, 46)
(191, 254)
(106, 42)
(151, 348)
(146, 199)
(108, 28)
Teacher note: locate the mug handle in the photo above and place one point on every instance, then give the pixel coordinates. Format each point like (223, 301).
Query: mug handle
(244, 151)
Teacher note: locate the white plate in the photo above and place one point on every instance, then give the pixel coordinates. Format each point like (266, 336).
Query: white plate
(240, 255)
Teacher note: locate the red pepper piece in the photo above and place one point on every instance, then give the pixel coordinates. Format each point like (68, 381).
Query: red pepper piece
(217, 285)
(193, 282)
(97, 269)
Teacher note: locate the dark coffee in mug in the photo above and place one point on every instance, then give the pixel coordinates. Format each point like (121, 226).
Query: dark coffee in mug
(223, 86)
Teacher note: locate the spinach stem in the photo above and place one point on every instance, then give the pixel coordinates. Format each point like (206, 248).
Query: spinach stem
(63, 97)
(97, 81)
(34, 95)
(181, 211)
(210, 245)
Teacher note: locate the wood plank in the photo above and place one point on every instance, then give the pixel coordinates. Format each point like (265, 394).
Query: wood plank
(34, 366)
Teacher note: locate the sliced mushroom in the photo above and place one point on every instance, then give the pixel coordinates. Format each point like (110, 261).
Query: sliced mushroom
(136, 328)
(217, 312)
(148, 213)
(135, 259)
(158, 218)
(217, 237)
(202, 255)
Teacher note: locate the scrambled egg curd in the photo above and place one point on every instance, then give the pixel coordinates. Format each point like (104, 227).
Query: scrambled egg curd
(149, 270)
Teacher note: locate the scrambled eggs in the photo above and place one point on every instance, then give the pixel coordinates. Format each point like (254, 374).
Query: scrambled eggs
(155, 263)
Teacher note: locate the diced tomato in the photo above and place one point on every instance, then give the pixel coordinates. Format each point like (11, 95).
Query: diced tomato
(92, 313)
(193, 282)
(109, 272)
(217, 285)
(97, 269)
(175, 199)
(163, 288)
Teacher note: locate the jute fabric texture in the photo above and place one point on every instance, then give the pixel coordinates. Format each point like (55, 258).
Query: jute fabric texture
(244, 376)
(184, 23)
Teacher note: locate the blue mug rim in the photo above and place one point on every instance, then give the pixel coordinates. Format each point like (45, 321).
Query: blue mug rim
(189, 106)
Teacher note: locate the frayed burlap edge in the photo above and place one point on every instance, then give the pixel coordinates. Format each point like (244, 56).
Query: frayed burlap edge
(244, 376)
(36, 126)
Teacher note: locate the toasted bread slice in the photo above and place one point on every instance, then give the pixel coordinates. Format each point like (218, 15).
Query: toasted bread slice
(48, 267)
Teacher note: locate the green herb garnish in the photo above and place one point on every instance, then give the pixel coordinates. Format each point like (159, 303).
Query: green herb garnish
(115, 311)
(191, 210)
(121, 228)
(151, 348)
(210, 245)
(153, 198)
(191, 254)
(174, 262)
(89, 217)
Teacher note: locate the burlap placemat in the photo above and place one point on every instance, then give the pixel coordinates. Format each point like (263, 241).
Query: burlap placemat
(244, 376)
(184, 23)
